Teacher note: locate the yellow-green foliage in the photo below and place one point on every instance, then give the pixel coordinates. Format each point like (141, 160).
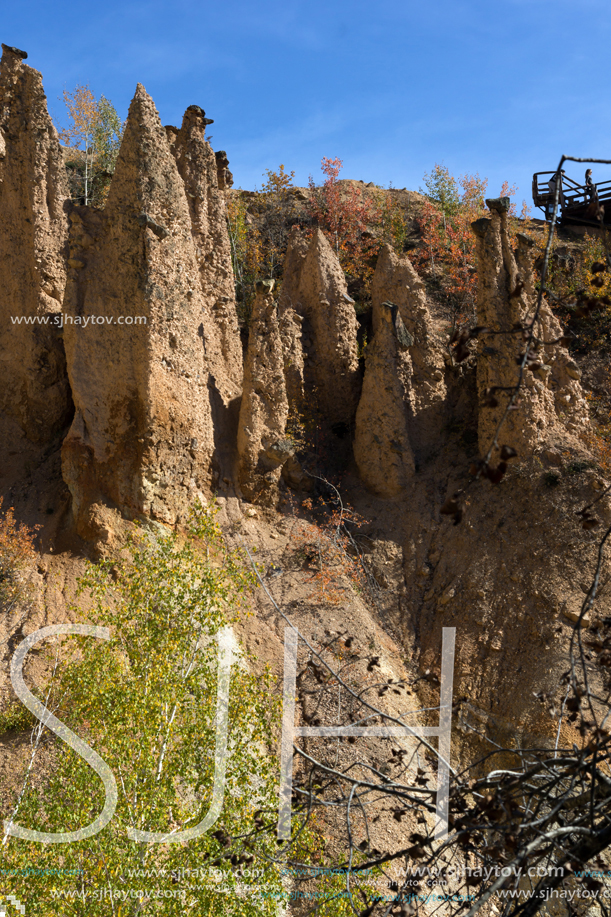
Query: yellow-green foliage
(145, 701)
(581, 295)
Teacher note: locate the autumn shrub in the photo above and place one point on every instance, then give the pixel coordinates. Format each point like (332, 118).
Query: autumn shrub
(579, 285)
(259, 238)
(326, 549)
(276, 215)
(16, 555)
(446, 254)
(246, 254)
(356, 224)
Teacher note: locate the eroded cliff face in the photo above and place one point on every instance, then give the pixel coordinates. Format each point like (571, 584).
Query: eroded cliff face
(144, 379)
(396, 281)
(33, 192)
(198, 169)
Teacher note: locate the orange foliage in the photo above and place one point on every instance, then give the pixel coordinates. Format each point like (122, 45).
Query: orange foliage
(16, 552)
(325, 549)
(447, 243)
(83, 110)
(447, 248)
(355, 224)
(344, 215)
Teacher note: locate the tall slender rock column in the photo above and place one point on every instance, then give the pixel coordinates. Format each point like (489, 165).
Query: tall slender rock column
(551, 399)
(396, 281)
(262, 446)
(140, 342)
(197, 166)
(382, 446)
(33, 190)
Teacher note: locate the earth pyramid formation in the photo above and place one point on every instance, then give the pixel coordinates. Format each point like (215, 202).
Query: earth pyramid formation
(197, 166)
(396, 281)
(262, 447)
(144, 387)
(33, 190)
(146, 376)
(135, 353)
(382, 446)
(552, 403)
(315, 287)
(145, 380)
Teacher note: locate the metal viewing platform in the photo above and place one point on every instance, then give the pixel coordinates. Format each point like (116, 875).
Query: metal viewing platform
(578, 208)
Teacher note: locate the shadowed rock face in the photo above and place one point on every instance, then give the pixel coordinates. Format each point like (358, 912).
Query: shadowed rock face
(262, 447)
(33, 189)
(551, 400)
(142, 437)
(381, 446)
(315, 287)
(224, 176)
(290, 333)
(396, 281)
(292, 318)
(197, 166)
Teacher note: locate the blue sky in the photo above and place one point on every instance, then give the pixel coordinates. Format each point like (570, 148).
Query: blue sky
(496, 87)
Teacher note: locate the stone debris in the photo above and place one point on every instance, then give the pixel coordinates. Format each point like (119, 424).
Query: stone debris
(33, 191)
(382, 447)
(262, 444)
(551, 399)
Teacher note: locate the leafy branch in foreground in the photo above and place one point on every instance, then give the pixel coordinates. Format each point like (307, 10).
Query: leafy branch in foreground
(145, 701)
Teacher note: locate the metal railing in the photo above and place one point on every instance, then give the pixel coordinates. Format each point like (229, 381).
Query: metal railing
(575, 195)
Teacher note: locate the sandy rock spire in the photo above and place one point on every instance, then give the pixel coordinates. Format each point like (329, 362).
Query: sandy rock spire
(382, 447)
(551, 400)
(224, 176)
(33, 190)
(315, 287)
(262, 446)
(396, 281)
(198, 169)
(141, 343)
